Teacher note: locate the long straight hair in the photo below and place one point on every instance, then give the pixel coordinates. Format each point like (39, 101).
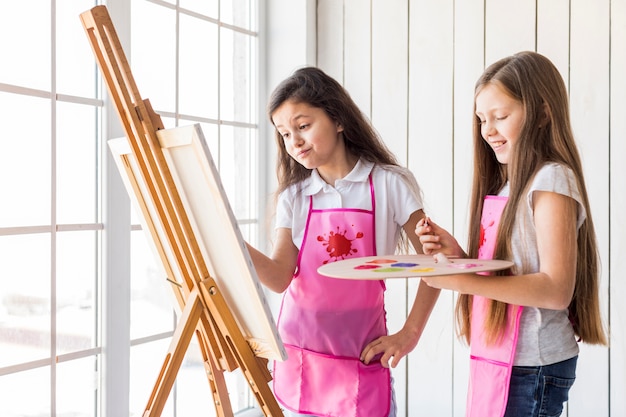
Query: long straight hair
(546, 136)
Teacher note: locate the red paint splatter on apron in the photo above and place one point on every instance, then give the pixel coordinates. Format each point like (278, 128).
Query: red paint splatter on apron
(338, 245)
(483, 230)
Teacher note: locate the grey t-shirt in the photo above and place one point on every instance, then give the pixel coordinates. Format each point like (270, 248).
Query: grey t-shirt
(546, 336)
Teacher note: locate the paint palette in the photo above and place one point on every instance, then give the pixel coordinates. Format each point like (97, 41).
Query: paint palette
(408, 266)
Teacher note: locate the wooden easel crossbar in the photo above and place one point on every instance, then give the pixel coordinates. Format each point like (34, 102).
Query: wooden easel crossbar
(204, 310)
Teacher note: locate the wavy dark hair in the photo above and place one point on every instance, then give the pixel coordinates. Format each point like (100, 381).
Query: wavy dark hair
(314, 87)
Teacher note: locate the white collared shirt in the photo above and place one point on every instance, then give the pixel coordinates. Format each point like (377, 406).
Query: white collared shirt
(396, 200)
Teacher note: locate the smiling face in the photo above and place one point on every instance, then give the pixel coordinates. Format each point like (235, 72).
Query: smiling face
(310, 136)
(501, 119)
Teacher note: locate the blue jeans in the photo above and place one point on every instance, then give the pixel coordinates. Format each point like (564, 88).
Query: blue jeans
(540, 391)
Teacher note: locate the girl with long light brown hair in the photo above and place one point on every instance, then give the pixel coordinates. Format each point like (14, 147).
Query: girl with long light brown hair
(529, 204)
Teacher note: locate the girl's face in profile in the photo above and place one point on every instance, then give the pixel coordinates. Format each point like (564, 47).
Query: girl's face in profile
(501, 118)
(310, 136)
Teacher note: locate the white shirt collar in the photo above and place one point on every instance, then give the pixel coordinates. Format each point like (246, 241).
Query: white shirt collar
(359, 173)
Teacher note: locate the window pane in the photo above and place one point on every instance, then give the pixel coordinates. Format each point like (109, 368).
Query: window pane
(192, 389)
(25, 298)
(76, 388)
(153, 53)
(145, 363)
(250, 232)
(238, 148)
(205, 7)
(233, 151)
(211, 137)
(194, 392)
(29, 393)
(168, 122)
(152, 298)
(25, 44)
(237, 77)
(24, 155)
(76, 281)
(192, 386)
(198, 80)
(239, 13)
(75, 64)
(76, 163)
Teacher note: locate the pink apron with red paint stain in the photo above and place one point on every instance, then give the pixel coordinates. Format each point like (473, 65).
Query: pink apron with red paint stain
(490, 364)
(325, 323)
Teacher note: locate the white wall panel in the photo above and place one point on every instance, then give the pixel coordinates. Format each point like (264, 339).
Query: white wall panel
(553, 33)
(589, 100)
(330, 38)
(389, 116)
(358, 52)
(509, 28)
(469, 59)
(412, 65)
(290, 30)
(389, 73)
(431, 57)
(617, 219)
(291, 33)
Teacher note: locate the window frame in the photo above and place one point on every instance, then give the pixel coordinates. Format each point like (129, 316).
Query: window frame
(111, 352)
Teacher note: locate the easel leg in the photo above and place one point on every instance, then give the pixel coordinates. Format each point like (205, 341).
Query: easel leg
(174, 358)
(254, 369)
(216, 379)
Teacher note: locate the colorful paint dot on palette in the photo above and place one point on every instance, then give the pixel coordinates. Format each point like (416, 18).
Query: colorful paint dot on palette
(464, 265)
(367, 266)
(382, 261)
(381, 270)
(421, 270)
(403, 265)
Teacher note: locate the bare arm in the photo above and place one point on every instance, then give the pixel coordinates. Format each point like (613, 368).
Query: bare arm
(398, 345)
(552, 287)
(276, 272)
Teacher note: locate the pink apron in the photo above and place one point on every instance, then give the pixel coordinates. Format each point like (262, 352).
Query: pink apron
(490, 364)
(325, 323)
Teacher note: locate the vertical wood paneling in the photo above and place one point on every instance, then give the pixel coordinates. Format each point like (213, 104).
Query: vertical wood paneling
(412, 66)
(431, 56)
(617, 265)
(431, 59)
(389, 115)
(469, 57)
(553, 33)
(589, 99)
(389, 73)
(293, 42)
(292, 45)
(509, 28)
(468, 65)
(330, 38)
(358, 52)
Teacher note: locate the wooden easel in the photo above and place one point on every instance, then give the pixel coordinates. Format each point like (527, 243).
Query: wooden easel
(204, 309)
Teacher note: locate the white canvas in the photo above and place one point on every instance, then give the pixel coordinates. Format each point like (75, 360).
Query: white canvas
(215, 228)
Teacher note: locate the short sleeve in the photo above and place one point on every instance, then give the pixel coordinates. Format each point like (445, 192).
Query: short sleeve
(558, 179)
(407, 196)
(284, 210)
